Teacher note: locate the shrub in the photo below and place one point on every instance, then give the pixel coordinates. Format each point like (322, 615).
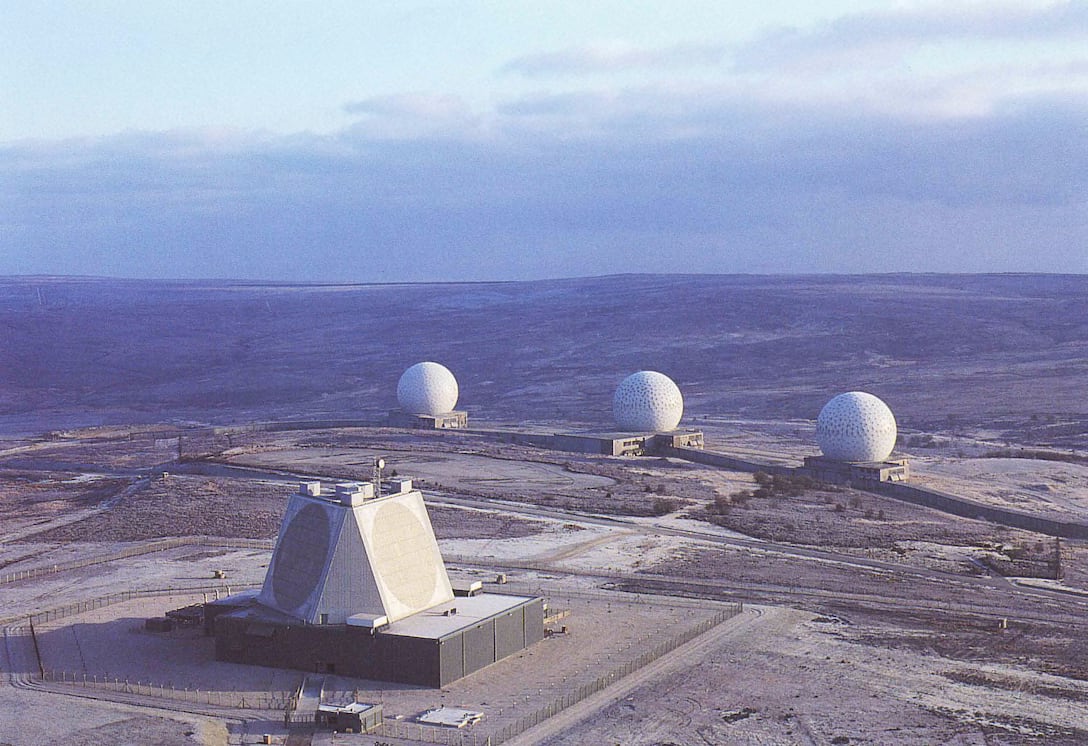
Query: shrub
(663, 505)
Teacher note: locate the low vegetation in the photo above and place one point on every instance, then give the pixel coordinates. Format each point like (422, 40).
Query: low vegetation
(771, 486)
(664, 506)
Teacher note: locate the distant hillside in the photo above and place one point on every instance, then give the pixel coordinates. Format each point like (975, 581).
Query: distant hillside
(1006, 350)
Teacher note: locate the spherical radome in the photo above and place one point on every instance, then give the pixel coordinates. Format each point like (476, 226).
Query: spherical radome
(856, 426)
(647, 401)
(427, 388)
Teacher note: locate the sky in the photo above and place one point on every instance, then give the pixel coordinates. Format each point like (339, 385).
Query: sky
(358, 141)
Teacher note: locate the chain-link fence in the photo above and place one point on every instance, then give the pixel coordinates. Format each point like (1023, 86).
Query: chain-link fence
(133, 551)
(81, 607)
(285, 702)
(431, 734)
(162, 690)
(588, 689)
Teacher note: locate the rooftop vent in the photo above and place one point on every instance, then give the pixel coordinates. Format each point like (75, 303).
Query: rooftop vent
(353, 493)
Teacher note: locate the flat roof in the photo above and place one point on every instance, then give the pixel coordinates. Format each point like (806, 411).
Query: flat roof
(431, 624)
(254, 611)
(454, 717)
(354, 708)
(236, 599)
(604, 436)
(434, 624)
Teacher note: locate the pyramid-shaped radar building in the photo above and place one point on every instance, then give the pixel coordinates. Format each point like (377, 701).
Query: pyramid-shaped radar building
(355, 558)
(356, 587)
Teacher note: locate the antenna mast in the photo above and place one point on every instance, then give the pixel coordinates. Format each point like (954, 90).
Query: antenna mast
(379, 464)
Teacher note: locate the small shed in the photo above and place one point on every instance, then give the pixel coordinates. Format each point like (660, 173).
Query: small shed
(357, 717)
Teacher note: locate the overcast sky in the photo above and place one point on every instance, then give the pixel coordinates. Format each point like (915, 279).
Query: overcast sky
(366, 141)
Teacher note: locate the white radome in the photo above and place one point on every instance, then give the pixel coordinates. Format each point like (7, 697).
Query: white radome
(427, 388)
(856, 426)
(647, 401)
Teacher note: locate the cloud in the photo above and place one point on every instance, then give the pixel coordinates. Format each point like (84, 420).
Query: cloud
(875, 38)
(615, 56)
(409, 104)
(413, 115)
(920, 62)
(666, 178)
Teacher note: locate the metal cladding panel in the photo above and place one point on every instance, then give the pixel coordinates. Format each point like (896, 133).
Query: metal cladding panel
(254, 638)
(300, 562)
(350, 586)
(343, 651)
(509, 632)
(404, 555)
(534, 621)
(410, 660)
(479, 646)
(451, 657)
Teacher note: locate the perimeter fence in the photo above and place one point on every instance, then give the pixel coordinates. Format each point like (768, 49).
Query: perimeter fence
(105, 682)
(133, 551)
(80, 607)
(617, 674)
(432, 734)
(422, 733)
(286, 701)
(162, 690)
(405, 731)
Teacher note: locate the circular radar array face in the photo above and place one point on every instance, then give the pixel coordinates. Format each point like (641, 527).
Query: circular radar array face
(300, 557)
(647, 401)
(427, 388)
(856, 426)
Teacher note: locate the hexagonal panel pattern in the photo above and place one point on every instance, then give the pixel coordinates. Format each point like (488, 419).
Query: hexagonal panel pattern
(647, 401)
(427, 388)
(856, 426)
